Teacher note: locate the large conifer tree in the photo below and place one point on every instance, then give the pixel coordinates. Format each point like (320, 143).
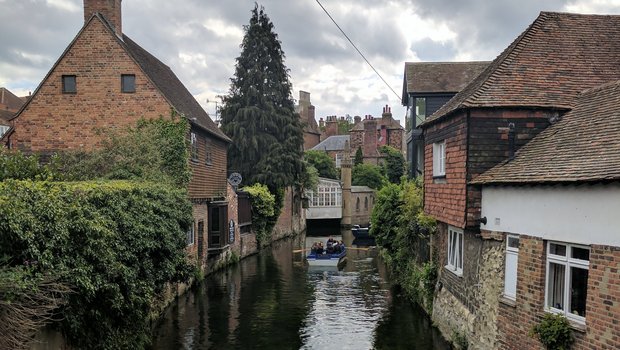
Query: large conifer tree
(259, 113)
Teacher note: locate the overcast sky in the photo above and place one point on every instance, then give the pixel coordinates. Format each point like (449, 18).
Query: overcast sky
(199, 40)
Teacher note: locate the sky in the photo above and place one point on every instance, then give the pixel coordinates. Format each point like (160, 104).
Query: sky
(199, 40)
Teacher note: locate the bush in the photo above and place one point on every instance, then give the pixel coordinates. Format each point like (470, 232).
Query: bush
(155, 150)
(325, 165)
(368, 175)
(554, 332)
(116, 244)
(265, 212)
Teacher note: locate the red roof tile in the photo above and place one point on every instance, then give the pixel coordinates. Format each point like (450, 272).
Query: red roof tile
(437, 77)
(558, 56)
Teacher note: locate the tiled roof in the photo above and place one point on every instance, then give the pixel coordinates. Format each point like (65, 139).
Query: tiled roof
(9, 99)
(332, 143)
(358, 189)
(583, 146)
(5, 116)
(435, 77)
(172, 88)
(557, 57)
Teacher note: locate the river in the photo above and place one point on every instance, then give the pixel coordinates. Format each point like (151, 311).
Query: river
(273, 300)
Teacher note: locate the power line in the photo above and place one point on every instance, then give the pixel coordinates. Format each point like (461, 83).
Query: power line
(358, 50)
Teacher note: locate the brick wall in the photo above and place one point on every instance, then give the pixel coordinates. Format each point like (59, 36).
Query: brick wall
(208, 180)
(54, 121)
(395, 138)
(602, 329)
(444, 198)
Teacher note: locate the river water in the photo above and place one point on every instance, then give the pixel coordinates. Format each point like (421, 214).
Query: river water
(273, 300)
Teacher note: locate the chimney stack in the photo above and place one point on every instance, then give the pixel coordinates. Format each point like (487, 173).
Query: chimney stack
(109, 9)
(387, 112)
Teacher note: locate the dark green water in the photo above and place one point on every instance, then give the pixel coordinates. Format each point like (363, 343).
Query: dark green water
(273, 300)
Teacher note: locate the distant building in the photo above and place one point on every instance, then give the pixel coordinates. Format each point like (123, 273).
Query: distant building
(426, 87)
(312, 135)
(9, 105)
(334, 146)
(368, 134)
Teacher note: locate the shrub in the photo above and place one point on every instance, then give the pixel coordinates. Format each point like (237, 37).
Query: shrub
(264, 212)
(116, 244)
(325, 165)
(554, 332)
(368, 175)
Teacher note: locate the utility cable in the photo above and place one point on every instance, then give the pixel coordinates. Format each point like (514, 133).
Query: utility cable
(358, 51)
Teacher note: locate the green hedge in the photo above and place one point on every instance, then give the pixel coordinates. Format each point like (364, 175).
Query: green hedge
(115, 243)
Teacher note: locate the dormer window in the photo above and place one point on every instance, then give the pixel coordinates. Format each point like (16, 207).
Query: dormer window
(128, 83)
(69, 84)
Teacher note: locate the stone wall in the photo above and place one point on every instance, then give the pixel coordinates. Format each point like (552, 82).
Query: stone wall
(292, 217)
(468, 304)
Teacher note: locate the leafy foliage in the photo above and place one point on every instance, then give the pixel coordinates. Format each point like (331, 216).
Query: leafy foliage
(399, 225)
(264, 211)
(116, 244)
(394, 164)
(554, 332)
(155, 150)
(323, 163)
(368, 175)
(258, 113)
(359, 157)
(310, 177)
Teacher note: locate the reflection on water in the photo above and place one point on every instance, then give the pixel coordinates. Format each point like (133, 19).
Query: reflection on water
(273, 301)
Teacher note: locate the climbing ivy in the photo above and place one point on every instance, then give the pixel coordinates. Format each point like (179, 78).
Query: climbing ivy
(265, 212)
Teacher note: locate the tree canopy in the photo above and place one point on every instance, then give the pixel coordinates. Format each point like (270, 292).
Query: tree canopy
(259, 114)
(368, 175)
(394, 164)
(359, 157)
(323, 163)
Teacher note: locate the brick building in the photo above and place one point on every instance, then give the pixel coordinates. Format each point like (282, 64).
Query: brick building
(9, 105)
(529, 86)
(104, 80)
(312, 135)
(564, 257)
(370, 134)
(426, 87)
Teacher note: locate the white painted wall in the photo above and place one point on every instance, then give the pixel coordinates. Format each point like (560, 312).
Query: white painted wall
(324, 213)
(586, 214)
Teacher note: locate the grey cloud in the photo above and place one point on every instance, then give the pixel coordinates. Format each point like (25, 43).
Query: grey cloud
(429, 50)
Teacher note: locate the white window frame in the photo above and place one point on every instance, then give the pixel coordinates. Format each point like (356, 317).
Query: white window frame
(439, 158)
(568, 262)
(191, 237)
(194, 146)
(455, 254)
(510, 279)
(339, 157)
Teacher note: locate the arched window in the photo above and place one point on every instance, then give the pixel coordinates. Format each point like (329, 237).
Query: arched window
(366, 203)
(357, 204)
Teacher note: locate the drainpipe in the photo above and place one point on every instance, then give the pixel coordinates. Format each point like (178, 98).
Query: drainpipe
(511, 141)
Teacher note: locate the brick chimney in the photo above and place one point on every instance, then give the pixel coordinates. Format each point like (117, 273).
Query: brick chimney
(331, 126)
(370, 137)
(387, 112)
(110, 9)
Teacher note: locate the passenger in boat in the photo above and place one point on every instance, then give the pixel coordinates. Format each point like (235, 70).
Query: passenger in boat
(319, 249)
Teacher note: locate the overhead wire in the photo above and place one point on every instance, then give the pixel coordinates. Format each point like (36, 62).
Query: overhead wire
(358, 50)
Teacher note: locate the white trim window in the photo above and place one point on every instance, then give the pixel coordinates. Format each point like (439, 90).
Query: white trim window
(567, 280)
(194, 146)
(190, 235)
(512, 262)
(455, 250)
(339, 160)
(439, 158)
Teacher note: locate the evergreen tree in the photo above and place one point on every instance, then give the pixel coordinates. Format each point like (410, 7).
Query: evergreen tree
(359, 157)
(259, 114)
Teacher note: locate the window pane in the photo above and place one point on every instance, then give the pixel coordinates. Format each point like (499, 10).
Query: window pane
(420, 108)
(510, 278)
(578, 291)
(69, 84)
(513, 242)
(128, 83)
(580, 253)
(557, 249)
(459, 250)
(555, 296)
(215, 219)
